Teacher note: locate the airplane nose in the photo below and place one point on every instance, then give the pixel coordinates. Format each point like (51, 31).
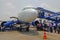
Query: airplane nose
(28, 15)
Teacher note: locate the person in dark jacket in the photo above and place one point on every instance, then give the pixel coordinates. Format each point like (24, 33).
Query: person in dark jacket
(58, 28)
(27, 28)
(51, 27)
(39, 26)
(44, 26)
(20, 28)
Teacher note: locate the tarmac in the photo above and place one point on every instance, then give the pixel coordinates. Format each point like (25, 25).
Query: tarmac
(31, 35)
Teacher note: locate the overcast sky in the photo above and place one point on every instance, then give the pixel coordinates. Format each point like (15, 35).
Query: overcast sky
(12, 7)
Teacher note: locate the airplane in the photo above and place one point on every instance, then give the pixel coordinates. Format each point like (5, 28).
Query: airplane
(29, 14)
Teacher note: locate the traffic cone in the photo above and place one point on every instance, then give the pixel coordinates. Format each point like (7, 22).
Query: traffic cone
(45, 36)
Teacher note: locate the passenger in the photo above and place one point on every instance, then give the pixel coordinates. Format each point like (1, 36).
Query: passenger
(27, 28)
(51, 27)
(20, 28)
(55, 27)
(58, 28)
(14, 26)
(0, 28)
(11, 26)
(48, 29)
(44, 26)
(39, 26)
